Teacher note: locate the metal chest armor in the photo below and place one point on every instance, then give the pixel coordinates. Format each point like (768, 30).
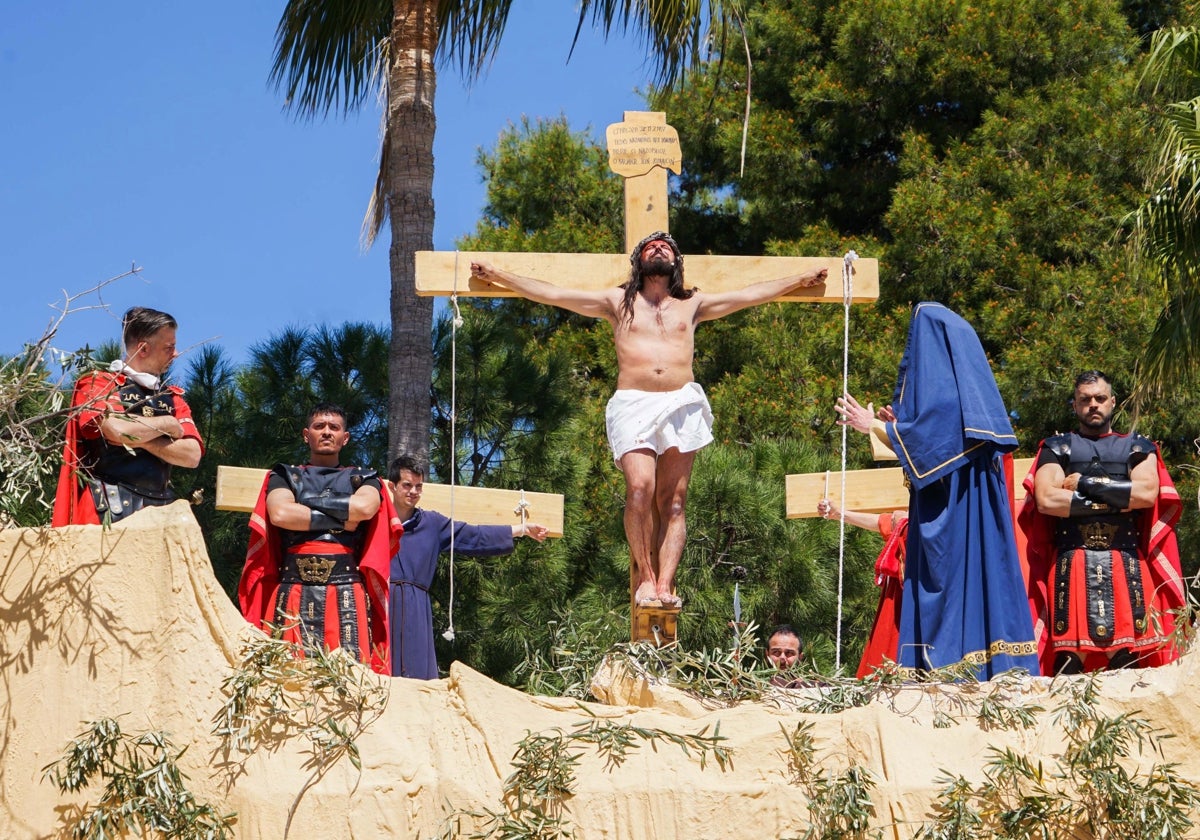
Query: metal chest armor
(1103, 539)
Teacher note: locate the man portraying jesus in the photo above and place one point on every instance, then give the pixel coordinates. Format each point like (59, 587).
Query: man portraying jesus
(659, 417)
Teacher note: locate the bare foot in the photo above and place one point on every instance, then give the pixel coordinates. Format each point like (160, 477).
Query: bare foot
(644, 596)
(670, 599)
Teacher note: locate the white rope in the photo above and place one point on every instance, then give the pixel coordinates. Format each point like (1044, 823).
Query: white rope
(522, 510)
(455, 323)
(847, 295)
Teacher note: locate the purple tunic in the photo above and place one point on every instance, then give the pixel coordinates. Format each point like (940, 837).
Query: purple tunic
(427, 535)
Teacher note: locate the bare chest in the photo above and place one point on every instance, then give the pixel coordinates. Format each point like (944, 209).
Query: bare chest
(668, 320)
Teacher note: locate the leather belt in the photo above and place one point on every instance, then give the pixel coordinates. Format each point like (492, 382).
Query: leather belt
(319, 569)
(1097, 534)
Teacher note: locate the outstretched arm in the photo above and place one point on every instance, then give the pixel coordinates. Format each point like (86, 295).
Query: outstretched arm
(867, 521)
(720, 304)
(531, 530)
(585, 302)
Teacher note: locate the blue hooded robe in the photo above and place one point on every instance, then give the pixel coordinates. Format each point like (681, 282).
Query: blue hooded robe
(964, 594)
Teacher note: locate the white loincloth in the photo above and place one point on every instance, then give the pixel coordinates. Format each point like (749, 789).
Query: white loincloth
(659, 420)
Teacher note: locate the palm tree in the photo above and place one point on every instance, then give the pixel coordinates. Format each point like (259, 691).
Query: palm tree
(1166, 228)
(333, 55)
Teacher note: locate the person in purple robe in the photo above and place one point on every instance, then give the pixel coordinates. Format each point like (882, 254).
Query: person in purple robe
(427, 534)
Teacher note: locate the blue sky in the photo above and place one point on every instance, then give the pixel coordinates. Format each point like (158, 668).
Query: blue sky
(146, 133)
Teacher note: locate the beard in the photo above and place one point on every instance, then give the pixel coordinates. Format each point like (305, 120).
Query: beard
(657, 267)
(1095, 423)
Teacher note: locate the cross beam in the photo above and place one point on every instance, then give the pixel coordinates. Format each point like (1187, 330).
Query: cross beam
(867, 491)
(238, 489)
(449, 272)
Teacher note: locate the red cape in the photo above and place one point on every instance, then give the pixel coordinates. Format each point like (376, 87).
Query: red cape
(1157, 544)
(260, 576)
(73, 502)
(884, 640)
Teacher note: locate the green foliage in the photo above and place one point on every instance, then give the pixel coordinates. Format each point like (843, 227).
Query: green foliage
(144, 789)
(548, 189)
(721, 676)
(35, 403)
(537, 793)
(496, 405)
(34, 412)
(574, 650)
(1163, 227)
(837, 86)
(840, 806)
(272, 695)
(1096, 787)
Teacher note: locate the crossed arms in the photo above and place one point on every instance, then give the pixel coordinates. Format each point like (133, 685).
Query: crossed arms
(160, 436)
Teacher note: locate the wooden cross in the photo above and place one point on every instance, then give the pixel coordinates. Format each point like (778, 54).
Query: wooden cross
(867, 491)
(642, 148)
(238, 489)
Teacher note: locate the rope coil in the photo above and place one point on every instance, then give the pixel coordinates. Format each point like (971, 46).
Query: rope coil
(522, 510)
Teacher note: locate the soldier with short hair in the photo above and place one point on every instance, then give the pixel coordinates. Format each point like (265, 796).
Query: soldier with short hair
(1100, 522)
(321, 538)
(127, 429)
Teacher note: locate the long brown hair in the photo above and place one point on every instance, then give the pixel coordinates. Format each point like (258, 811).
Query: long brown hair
(637, 278)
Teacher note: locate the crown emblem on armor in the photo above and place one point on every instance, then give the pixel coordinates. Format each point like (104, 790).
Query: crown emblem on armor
(315, 569)
(147, 411)
(1097, 535)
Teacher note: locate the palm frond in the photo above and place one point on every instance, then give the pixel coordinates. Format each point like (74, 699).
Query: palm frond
(1173, 61)
(326, 54)
(469, 34)
(1172, 347)
(677, 32)
(1165, 229)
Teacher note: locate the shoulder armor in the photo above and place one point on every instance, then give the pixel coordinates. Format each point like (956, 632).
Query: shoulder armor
(175, 389)
(291, 476)
(364, 475)
(1142, 445)
(1140, 448)
(1060, 445)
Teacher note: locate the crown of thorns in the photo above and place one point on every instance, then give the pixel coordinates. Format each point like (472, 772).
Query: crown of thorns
(657, 235)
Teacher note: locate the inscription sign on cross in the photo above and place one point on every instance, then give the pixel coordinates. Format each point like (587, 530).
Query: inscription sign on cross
(642, 148)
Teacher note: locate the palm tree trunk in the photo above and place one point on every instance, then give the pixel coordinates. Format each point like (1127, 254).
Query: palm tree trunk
(410, 128)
